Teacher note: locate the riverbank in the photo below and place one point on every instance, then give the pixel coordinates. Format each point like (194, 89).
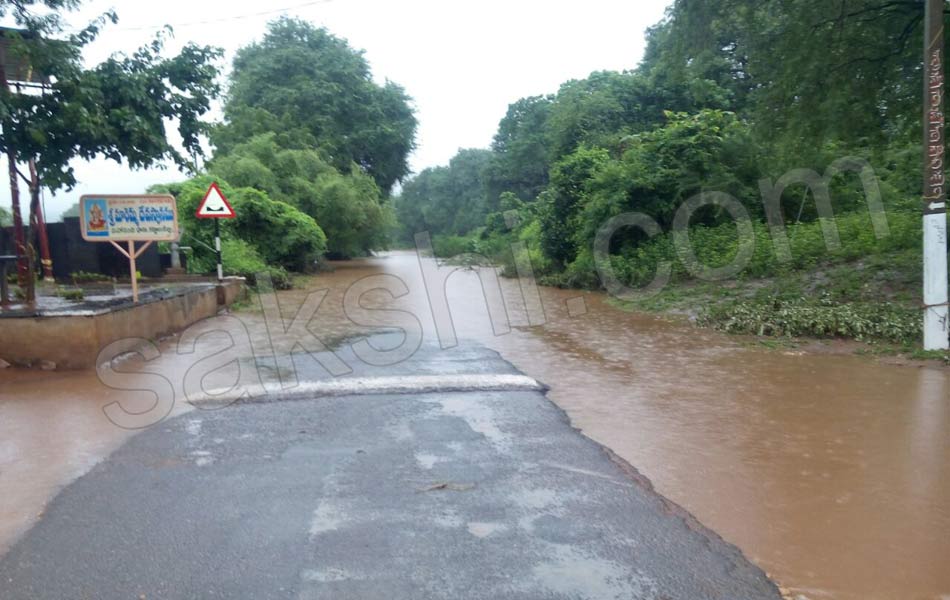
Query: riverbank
(864, 286)
(868, 307)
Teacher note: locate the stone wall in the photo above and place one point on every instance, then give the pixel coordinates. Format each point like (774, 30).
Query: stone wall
(73, 341)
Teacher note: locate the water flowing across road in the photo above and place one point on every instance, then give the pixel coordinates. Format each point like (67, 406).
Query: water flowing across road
(832, 472)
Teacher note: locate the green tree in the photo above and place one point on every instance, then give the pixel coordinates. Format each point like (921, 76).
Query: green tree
(278, 232)
(810, 73)
(117, 109)
(467, 171)
(600, 110)
(447, 200)
(422, 205)
(348, 205)
(521, 151)
(560, 204)
(316, 92)
(708, 151)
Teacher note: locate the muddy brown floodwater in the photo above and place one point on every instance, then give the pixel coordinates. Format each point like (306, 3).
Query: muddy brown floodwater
(832, 472)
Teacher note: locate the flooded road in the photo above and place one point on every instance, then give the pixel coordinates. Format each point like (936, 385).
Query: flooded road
(831, 472)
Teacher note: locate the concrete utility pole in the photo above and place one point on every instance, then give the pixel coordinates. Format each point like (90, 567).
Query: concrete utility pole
(935, 192)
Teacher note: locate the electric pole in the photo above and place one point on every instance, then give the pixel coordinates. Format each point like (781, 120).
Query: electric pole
(935, 192)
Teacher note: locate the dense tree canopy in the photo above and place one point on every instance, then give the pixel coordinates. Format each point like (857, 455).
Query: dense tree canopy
(317, 92)
(117, 109)
(446, 199)
(347, 206)
(521, 154)
(276, 231)
(729, 93)
(306, 123)
(803, 70)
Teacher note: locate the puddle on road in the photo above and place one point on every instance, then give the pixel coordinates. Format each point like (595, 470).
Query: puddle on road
(831, 472)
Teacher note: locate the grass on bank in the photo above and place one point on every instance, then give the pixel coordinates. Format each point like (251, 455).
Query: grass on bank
(866, 289)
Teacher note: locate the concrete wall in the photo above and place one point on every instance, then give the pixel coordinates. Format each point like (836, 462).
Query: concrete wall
(74, 342)
(232, 291)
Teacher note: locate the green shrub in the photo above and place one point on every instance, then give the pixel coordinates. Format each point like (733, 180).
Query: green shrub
(242, 259)
(86, 277)
(75, 295)
(820, 317)
(717, 246)
(280, 279)
(450, 246)
(281, 234)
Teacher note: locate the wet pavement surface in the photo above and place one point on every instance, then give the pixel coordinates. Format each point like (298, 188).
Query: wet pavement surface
(439, 495)
(98, 300)
(830, 472)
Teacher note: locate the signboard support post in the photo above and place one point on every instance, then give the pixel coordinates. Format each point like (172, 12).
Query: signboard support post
(217, 248)
(935, 193)
(133, 254)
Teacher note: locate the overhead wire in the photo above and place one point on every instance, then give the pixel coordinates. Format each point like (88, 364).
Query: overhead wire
(263, 13)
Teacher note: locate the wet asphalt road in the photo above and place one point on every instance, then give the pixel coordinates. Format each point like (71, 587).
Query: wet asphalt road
(439, 495)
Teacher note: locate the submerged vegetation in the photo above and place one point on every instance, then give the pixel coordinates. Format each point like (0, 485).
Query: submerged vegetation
(816, 317)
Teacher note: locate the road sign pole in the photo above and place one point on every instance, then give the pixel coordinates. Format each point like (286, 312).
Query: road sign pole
(215, 206)
(133, 272)
(217, 247)
(935, 193)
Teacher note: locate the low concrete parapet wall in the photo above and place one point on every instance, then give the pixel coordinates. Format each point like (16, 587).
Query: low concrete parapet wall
(73, 340)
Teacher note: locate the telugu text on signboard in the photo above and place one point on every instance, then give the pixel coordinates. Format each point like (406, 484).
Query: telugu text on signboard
(128, 218)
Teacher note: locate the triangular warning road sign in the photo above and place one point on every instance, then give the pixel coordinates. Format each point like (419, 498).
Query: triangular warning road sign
(215, 205)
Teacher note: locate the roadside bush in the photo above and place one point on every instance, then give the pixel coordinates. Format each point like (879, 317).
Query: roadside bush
(348, 205)
(280, 279)
(821, 317)
(73, 295)
(86, 277)
(448, 246)
(717, 246)
(532, 239)
(242, 259)
(281, 234)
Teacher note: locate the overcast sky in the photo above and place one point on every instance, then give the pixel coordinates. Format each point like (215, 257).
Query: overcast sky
(463, 63)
